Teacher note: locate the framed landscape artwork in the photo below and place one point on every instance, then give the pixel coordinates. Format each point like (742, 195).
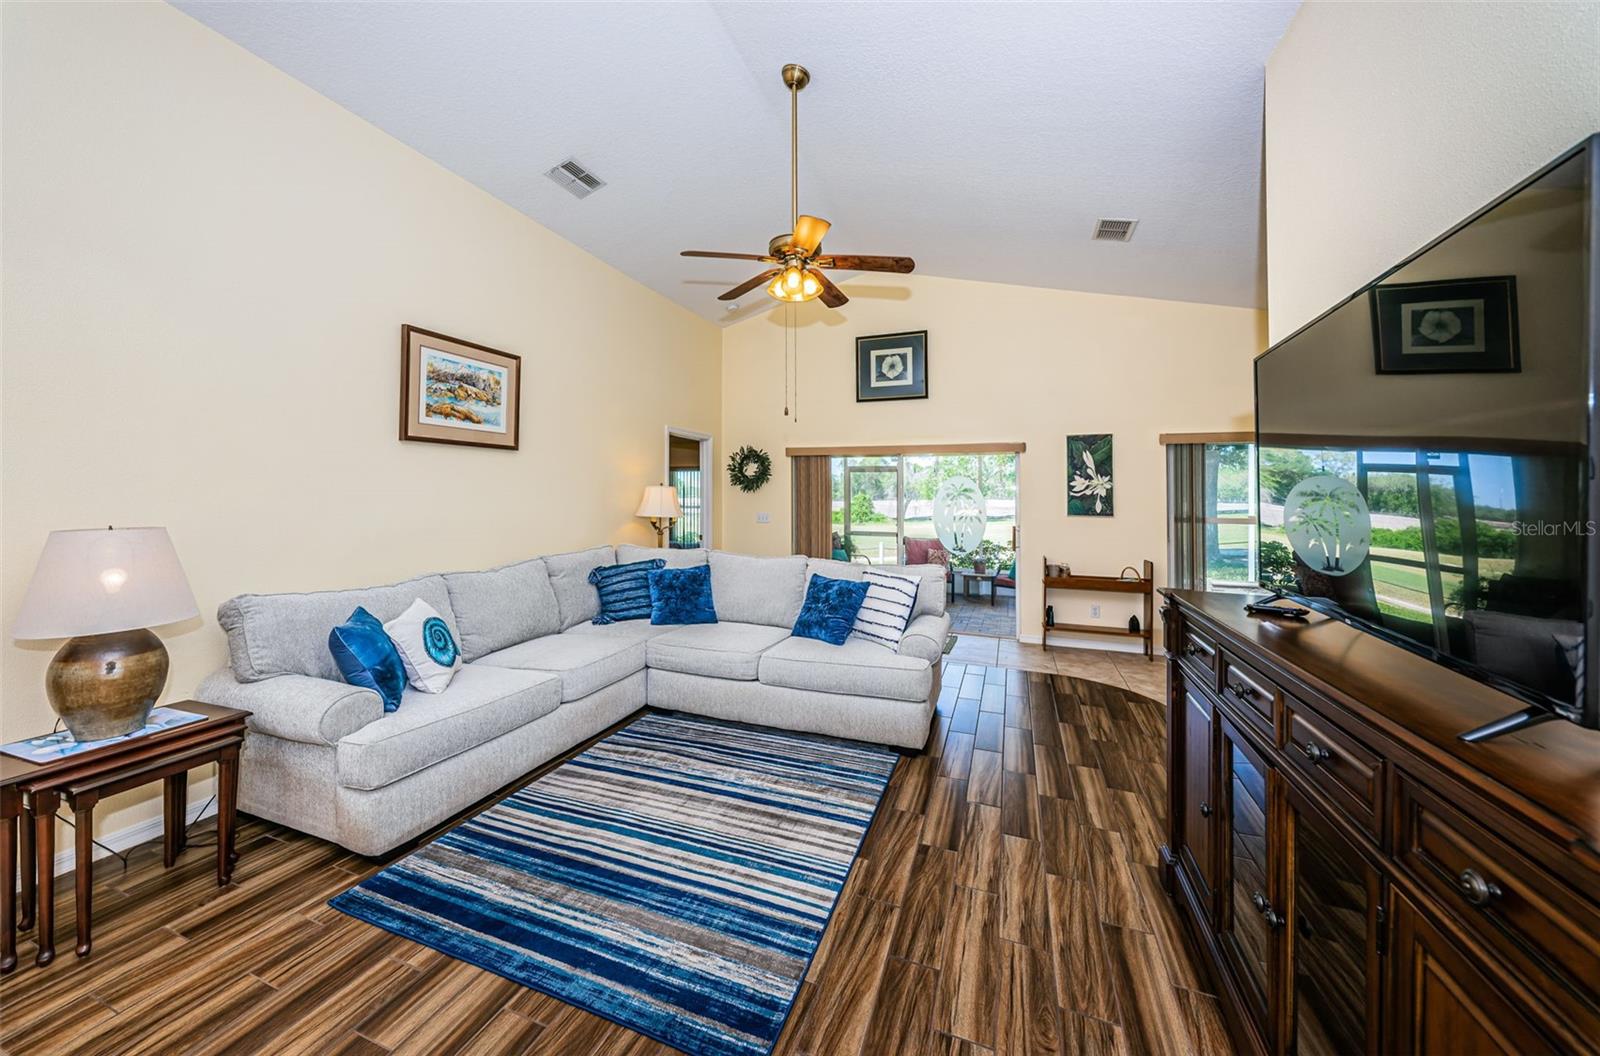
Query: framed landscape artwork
(458, 392)
(892, 367)
(1459, 326)
(1089, 475)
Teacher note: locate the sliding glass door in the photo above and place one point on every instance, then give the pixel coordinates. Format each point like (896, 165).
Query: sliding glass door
(873, 510)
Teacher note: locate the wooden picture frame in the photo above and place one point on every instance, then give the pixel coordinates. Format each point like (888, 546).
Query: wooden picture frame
(477, 391)
(892, 367)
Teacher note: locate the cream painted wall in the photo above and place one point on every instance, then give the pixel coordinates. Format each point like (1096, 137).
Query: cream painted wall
(1005, 363)
(206, 267)
(1388, 123)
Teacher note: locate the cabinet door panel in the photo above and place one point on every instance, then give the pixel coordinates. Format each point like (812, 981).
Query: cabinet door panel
(1443, 1005)
(1333, 907)
(1199, 810)
(1248, 921)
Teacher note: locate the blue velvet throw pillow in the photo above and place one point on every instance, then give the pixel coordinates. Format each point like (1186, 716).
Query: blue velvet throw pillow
(624, 590)
(682, 595)
(367, 658)
(830, 609)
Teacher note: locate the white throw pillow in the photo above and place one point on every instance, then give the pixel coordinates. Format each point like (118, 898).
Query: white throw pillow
(887, 609)
(427, 648)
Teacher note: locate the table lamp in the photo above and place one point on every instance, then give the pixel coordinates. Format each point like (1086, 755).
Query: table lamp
(102, 589)
(660, 504)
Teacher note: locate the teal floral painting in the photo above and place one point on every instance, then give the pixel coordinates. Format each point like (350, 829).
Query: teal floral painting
(1089, 475)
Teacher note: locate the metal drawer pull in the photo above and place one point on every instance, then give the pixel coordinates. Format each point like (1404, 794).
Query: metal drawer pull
(1317, 753)
(1205, 810)
(1241, 689)
(1274, 920)
(1477, 890)
(1191, 650)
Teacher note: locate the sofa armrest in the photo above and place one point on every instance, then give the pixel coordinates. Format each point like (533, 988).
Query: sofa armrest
(924, 637)
(295, 707)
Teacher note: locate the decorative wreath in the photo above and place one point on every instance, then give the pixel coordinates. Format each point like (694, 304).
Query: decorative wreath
(749, 468)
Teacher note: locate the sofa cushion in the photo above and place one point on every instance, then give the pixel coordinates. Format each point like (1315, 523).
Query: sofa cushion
(584, 662)
(682, 595)
(717, 650)
(480, 704)
(502, 606)
(830, 609)
(930, 591)
(287, 634)
(855, 668)
(624, 590)
(628, 552)
(887, 608)
(765, 590)
(366, 657)
(426, 647)
(576, 597)
(626, 631)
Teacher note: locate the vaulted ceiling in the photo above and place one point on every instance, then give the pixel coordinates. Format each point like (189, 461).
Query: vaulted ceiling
(983, 139)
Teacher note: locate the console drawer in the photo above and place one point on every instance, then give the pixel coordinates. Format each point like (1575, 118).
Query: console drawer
(1535, 921)
(1248, 688)
(1198, 652)
(1347, 771)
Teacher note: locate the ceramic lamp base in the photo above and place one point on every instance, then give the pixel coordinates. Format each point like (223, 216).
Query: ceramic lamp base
(104, 685)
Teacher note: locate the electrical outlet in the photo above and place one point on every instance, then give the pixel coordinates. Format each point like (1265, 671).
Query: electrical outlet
(1094, 612)
(763, 518)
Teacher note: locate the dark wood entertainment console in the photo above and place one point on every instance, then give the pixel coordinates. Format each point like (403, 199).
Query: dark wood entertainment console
(1357, 878)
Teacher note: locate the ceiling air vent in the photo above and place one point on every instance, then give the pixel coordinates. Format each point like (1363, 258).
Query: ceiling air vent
(575, 178)
(1114, 230)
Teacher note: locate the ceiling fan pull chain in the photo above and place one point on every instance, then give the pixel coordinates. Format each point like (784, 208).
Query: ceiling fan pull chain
(788, 325)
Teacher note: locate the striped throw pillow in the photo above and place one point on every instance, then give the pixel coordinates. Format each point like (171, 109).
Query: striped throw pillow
(884, 615)
(624, 590)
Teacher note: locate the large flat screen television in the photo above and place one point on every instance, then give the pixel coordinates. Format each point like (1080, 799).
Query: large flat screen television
(1425, 451)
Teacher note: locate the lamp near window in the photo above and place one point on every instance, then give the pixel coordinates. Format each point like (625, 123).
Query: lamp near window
(101, 589)
(660, 504)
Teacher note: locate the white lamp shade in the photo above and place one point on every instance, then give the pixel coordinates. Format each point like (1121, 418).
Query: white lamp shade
(660, 501)
(98, 580)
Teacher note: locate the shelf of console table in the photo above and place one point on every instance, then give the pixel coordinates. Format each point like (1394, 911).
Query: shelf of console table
(1144, 585)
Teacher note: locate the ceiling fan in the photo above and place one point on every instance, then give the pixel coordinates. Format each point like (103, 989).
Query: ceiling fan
(796, 259)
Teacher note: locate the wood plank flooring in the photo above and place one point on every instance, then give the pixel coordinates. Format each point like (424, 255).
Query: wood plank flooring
(1006, 901)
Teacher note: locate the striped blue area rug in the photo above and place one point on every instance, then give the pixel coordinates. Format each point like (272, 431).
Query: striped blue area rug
(674, 878)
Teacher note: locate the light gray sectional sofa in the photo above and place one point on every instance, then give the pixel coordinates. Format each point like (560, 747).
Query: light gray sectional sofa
(539, 678)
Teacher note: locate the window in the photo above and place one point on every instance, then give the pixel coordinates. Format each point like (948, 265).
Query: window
(1228, 516)
(687, 530)
(1211, 496)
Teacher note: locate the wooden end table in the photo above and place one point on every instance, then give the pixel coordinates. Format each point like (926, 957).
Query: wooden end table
(30, 794)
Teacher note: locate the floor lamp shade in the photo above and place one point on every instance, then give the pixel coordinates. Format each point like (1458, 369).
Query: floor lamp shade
(660, 504)
(102, 589)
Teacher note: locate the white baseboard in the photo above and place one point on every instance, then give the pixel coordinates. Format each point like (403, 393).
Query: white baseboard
(1086, 641)
(132, 836)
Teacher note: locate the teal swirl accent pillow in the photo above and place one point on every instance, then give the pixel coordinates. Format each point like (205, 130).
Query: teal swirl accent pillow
(682, 595)
(427, 648)
(829, 612)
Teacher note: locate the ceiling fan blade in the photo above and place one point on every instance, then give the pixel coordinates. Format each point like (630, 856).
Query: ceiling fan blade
(748, 285)
(900, 265)
(808, 232)
(831, 295)
(726, 256)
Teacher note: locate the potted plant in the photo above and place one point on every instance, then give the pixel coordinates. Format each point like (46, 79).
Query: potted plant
(987, 555)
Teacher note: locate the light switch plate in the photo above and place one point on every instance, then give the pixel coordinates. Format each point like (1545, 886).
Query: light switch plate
(763, 518)
(1094, 612)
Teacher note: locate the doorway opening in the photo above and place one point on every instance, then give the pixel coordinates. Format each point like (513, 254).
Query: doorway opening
(688, 470)
(958, 509)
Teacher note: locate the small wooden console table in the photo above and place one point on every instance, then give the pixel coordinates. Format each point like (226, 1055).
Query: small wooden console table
(30, 793)
(1108, 585)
